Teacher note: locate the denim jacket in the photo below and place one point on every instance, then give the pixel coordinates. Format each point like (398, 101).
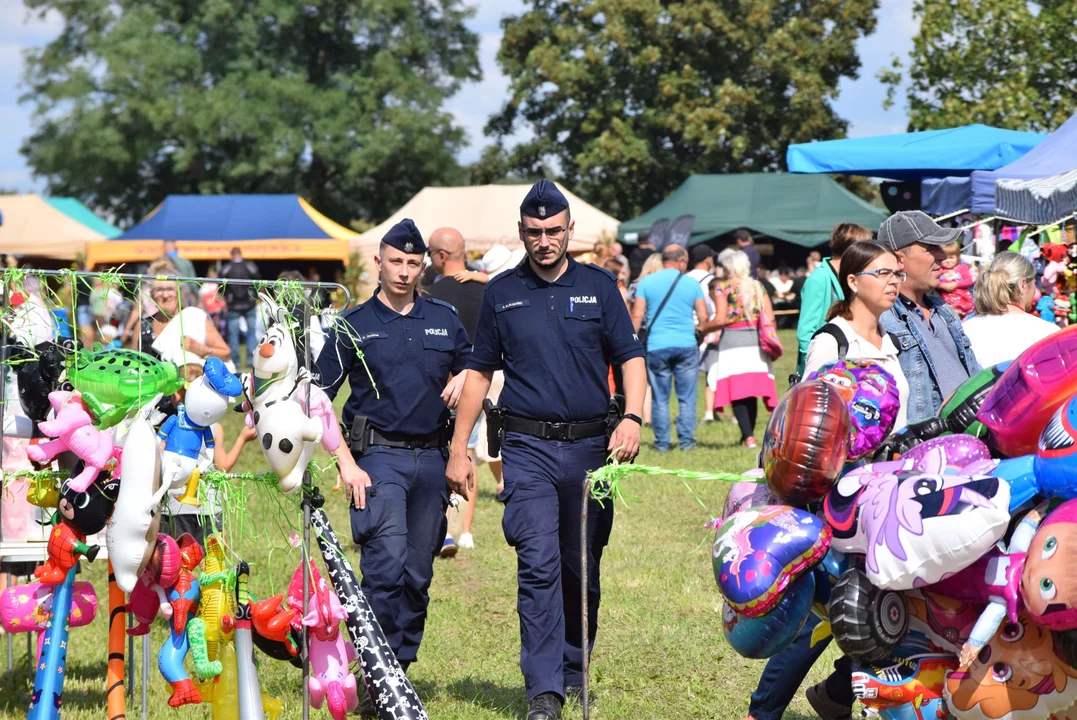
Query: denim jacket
(925, 398)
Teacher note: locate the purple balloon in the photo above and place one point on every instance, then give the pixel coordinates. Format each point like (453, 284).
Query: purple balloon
(958, 450)
(748, 494)
(871, 395)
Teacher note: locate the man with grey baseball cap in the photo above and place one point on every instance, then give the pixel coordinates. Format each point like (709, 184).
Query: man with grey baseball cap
(934, 352)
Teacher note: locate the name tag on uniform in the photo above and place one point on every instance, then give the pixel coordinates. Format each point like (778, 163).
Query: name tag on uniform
(512, 305)
(367, 337)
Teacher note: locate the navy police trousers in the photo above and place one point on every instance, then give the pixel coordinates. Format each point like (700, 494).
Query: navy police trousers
(542, 496)
(400, 531)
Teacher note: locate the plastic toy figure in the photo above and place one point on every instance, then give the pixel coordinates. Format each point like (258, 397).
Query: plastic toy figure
(125, 379)
(184, 596)
(73, 430)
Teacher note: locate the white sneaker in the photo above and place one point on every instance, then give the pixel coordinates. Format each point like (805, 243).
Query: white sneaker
(466, 541)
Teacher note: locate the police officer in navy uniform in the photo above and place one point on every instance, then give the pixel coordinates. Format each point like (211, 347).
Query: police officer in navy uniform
(398, 433)
(555, 327)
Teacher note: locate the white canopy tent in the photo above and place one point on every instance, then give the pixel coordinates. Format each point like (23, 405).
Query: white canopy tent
(486, 215)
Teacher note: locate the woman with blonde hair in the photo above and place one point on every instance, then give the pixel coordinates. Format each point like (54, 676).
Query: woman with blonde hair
(1003, 328)
(743, 373)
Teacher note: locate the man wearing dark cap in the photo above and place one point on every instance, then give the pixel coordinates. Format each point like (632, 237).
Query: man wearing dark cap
(398, 434)
(935, 354)
(555, 327)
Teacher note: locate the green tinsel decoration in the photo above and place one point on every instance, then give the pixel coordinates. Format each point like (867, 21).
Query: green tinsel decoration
(607, 481)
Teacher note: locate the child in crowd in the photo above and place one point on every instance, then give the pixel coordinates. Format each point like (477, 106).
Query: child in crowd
(197, 519)
(955, 281)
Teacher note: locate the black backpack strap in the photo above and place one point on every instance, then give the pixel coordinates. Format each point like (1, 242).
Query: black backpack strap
(839, 337)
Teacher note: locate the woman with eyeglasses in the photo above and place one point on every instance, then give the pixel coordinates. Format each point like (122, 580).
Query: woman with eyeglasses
(1003, 328)
(870, 280)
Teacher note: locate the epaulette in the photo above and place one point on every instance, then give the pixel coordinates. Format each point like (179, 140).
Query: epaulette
(442, 303)
(511, 272)
(602, 270)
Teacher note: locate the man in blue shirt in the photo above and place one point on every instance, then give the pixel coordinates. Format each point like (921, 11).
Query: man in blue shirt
(671, 302)
(555, 327)
(394, 461)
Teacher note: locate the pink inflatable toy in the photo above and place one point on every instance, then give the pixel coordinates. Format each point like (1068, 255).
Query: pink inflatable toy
(748, 494)
(331, 683)
(73, 430)
(150, 595)
(25, 608)
(957, 450)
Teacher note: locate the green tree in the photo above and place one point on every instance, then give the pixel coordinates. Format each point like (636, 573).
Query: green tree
(626, 98)
(1006, 63)
(338, 100)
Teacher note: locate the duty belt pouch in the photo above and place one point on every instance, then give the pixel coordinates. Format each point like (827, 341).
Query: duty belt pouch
(359, 435)
(495, 427)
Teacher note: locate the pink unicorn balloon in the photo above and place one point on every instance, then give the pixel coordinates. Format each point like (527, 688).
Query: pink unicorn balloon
(330, 682)
(72, 429)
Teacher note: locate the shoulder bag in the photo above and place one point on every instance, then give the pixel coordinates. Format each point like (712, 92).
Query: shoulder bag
(768, 334)
(644, 332)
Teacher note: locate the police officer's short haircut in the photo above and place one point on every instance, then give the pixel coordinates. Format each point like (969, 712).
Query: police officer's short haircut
(567, 211)
(674, 253)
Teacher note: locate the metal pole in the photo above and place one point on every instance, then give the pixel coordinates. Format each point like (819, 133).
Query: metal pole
(585, 634)
(130, 661)
(145, 675)
(307, 484)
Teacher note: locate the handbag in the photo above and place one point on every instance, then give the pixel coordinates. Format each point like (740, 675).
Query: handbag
(644, 332)
(768, 334)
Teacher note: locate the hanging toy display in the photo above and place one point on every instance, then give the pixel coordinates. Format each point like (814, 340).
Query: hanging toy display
(26, 608)
(393, 695)
(132, 529)
(73, 431)
(184, 598)
(286, 434)
(115, 701)
(47, 696)
(38, 372)
(274, 633)
(205, 403)
(331, 683)
(66, 546)
(122, 379)
(249, 689)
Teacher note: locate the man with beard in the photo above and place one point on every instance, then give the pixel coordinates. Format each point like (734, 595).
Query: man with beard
(555, 327)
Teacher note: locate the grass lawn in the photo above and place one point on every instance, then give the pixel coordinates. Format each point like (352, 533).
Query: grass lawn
(660, 652)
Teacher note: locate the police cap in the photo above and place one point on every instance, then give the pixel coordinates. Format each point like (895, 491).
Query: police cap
(404, 236)
(543, 200)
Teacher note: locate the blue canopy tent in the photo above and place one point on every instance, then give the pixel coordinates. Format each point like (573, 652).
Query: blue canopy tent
(914, 156)
(1056, 154)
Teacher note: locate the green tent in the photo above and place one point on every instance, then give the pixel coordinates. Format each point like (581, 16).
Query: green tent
(800, 209)
(82, 214)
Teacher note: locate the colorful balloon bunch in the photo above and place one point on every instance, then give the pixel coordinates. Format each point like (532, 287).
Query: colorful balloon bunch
(940, 568)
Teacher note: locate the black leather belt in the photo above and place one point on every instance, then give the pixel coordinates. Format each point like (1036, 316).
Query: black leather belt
(555, 430)
(436, 439)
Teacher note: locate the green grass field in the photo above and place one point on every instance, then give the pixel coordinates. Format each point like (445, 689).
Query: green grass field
(660, 652)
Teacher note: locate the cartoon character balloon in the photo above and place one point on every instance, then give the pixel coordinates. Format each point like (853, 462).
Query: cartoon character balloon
(1055, 466)
(758, 552)
(870, 393)
(72, 430)
(915, 522)
(1016, 676)
(914, 672)
(1049, 577)
(806, 443)
(769, 634)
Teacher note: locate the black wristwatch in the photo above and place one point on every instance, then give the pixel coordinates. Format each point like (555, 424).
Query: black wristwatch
(635, 418)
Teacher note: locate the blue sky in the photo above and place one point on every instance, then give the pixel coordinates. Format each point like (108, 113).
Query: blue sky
(860, 101)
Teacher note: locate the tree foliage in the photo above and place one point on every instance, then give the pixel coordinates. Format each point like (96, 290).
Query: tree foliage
(626, 98)
(1006, 63)
(338, 100)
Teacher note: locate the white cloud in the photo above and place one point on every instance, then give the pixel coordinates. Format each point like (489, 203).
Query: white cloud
(17, 21)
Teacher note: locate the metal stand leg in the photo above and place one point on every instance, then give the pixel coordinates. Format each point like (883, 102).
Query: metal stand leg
(307, 484)
(585, 634)
(130, 661)
(145, 675)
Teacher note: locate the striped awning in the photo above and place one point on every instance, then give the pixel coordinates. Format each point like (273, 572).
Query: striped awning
(1040, 201)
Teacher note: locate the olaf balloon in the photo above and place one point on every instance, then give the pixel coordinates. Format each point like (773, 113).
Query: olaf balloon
(205, 403)
(287, 435)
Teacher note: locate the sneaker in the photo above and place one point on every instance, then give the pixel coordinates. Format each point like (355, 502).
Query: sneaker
(750, 443)
(448, 548)
(823, 706)
(467, 542)
(706, 420)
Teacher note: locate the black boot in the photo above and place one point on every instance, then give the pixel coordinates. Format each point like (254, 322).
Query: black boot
(546, 706)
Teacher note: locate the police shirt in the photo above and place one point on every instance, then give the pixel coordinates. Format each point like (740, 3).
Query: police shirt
(555, 341)
(410, 357)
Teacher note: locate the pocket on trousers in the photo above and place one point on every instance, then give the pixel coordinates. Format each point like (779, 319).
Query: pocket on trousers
(365, 522)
